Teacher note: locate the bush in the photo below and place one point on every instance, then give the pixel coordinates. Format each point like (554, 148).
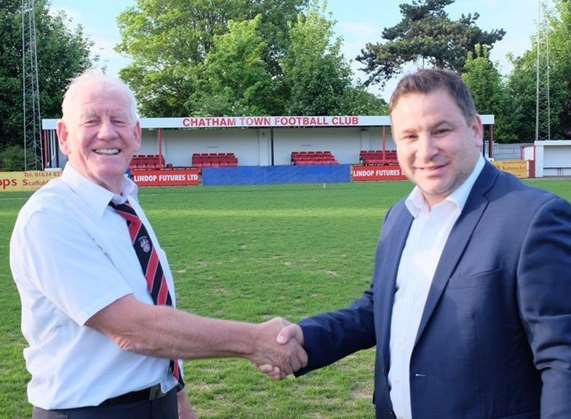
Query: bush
(12, 159)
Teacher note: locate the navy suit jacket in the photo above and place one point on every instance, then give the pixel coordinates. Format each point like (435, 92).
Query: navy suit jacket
(495, 336)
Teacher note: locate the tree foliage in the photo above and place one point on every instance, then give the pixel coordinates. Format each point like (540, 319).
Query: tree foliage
(316, 75)
(236, 57)
(560, 54)
(488, 89)
(484, 80)
(358, 101)
(425, 33)
(170, 40)
(62, 54)
(11, 158)
(520, 89)
(521, 86)
(234, 79)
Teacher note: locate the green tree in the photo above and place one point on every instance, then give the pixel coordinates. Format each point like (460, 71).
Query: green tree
(520, 89)
(62, 54)
(12, 158)
(170, 40)
(488, 90)
(234, 80)
(360, 102)
(425, 33)
(521, 86)
(560, 55)
(189, 59)
(316, 75)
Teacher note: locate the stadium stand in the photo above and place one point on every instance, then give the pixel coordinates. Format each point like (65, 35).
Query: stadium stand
(147, 161)
(378, 157)
(312, 158)
(214, 160)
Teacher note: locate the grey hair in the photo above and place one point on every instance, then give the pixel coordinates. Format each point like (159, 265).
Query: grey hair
(96, 76)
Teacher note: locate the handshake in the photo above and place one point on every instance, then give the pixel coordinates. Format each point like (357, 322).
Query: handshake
(278, 350)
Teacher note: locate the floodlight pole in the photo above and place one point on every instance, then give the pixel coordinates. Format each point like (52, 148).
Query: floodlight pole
(542, 78)
(537, 71)
(33, 147)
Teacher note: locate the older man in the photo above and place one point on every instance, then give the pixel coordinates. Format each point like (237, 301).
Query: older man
(98, 300)
(470, 304)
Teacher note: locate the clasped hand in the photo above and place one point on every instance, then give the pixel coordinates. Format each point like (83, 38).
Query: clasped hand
(278, 348)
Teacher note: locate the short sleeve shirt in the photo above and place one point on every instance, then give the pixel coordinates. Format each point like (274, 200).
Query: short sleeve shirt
(71, 256)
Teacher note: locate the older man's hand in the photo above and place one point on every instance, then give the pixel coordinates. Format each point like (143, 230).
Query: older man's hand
(185, 410)
(276, 358)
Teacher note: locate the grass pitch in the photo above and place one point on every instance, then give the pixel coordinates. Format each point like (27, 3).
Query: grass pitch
(249, 253)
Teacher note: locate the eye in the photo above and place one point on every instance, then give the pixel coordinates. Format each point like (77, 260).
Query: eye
(442, 131)
(409, 137)
(90, 122)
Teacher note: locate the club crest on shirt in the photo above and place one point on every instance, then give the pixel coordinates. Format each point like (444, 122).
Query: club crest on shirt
(145, 244)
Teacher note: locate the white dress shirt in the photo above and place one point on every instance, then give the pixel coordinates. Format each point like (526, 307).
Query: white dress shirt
(71, 256)
(426, 239)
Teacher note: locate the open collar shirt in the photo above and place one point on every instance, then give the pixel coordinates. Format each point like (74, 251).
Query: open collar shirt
(424, 245)
(71, 256)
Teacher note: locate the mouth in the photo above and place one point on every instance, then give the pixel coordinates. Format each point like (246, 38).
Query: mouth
(431, 169)
(107, 151)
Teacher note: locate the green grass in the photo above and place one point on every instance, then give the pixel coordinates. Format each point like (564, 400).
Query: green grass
(249, 253)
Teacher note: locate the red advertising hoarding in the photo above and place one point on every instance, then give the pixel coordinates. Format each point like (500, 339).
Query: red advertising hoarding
(176, 177)
(377, 173)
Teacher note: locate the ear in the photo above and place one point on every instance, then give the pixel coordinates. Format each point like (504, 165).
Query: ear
(137, 134)
(62, 137)
(478, 130)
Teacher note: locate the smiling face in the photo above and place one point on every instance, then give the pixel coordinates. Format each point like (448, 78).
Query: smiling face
(437, 147)
(99, 135)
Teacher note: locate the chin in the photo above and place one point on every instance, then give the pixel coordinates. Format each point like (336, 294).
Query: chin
(435, 190)
(111, 174)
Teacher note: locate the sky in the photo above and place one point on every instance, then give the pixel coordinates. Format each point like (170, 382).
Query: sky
(357, 22)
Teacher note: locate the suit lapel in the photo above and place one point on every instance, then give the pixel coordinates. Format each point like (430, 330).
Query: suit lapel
(457, 241)
(393, 245)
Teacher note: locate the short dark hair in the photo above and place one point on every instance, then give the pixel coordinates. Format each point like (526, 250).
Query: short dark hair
(428, 80)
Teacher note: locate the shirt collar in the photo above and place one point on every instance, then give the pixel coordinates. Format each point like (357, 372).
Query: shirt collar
(416, 203)
(96, 197)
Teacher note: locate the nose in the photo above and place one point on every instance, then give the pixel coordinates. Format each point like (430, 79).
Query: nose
(106, 130)
(426, 148)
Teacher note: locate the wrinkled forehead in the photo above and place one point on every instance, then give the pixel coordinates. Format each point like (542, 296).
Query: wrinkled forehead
(439, 96)
(438, 100)
(98, 92)
(97, 96)
(421, 110)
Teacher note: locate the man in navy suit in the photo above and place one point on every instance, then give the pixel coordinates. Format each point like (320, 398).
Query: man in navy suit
(470, 304)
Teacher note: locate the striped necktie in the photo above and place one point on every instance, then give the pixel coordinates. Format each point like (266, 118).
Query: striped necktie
(150, 264)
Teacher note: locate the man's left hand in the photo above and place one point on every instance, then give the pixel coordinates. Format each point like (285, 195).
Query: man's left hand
(185, 410)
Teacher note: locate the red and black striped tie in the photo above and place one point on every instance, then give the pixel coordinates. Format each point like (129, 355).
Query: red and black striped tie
(150, 264)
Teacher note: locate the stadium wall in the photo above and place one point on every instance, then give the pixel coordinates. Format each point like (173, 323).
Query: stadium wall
(253, 146)
(255, 141)
(256, 175)
(553, 158)
(344, 143)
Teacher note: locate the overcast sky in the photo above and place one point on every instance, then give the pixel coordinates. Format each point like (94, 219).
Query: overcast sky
(358, 22)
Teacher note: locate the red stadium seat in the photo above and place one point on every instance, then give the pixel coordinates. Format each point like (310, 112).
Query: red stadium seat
(214, 160)
(317, 158)
(378, 157)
